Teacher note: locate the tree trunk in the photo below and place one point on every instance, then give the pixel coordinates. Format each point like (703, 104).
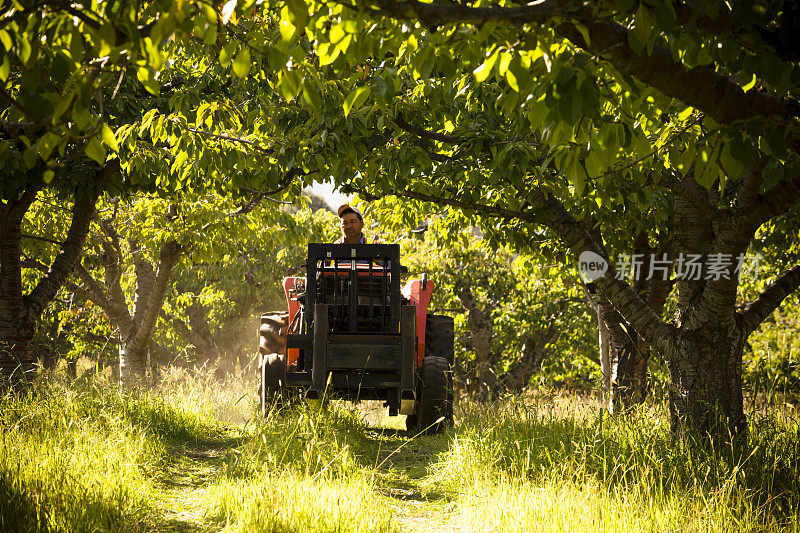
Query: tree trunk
(706, 382)
(134, 364)
(605, 360)
(134, 330)
(16, 325)
(481, 379)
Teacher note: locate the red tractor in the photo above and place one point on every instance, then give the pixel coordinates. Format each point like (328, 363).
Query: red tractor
(352, 332)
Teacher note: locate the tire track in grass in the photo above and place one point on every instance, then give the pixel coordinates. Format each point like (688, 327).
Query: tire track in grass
(192, 467)
(401, 464)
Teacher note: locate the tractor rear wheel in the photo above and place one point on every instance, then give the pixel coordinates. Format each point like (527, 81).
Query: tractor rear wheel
(439, 341)
(434, 405)
(273, 380)
(272, 333)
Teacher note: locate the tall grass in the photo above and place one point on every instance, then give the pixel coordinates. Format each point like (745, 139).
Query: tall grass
(189, 454)
(529, 466)
(193, 454)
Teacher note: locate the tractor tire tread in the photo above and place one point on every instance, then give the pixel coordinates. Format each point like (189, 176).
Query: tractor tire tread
(435, 389)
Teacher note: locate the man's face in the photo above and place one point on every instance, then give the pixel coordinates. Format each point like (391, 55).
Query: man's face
(351, 226)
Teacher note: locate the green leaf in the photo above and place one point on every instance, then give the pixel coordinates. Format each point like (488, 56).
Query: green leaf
(47, 143)
(584, 31)
(729, 162)
(685, 114)
(749, 85)
(226, 54)
(48, 176)
(95, 150)
(24, 48)
(423, 63)
(287, 28)
(241, 65)
(311, 94)
(327, 53)
(298, 11)
(109, 138)
(5, 38)
(505, 61)
(577, 175)
(145, 76)
(5, 68)
(512, 80)
(29, 157)
(355, 99)
(640, 35)
(776, 140)
(153, 54)
(483, 71)
(290, 84)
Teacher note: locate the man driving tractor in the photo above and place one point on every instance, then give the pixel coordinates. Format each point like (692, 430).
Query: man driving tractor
(355, 331)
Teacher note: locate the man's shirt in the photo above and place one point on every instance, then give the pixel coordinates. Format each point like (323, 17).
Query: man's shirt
(362, 240)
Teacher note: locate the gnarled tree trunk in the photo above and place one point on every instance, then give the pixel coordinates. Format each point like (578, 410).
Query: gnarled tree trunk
(480, 379)
(703, 345)
(133, 330)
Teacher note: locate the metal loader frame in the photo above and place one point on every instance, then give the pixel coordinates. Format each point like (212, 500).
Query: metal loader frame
(360, 340)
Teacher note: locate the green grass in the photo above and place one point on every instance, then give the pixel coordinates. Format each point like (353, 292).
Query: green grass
(192, 455)
(564, 468)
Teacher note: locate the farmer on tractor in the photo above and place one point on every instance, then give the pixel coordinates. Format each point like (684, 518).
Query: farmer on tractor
(355, 331)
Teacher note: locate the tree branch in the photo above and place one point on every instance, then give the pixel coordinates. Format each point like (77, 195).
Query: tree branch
(238, 140)
(769, 300)
(654, 330)
(435, 14)
(92, 290)
(747, 195)
(18, 208)
(694, 195)
(145, 279)
(622, 296)
(774, 202)
(421, 132)
(70, 252)
(40, 238)
(285, 182)
(725, 23)
(727, 102)
(112, 275)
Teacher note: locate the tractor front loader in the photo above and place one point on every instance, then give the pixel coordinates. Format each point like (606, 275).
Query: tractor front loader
(353, 332)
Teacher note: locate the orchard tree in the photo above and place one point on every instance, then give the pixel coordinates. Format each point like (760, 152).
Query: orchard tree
(138, 245)
(117, 97)
(595, 121)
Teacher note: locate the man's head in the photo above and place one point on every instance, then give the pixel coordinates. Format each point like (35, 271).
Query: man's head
(351, 223)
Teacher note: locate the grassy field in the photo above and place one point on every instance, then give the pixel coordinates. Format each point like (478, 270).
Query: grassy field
(192, 455)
